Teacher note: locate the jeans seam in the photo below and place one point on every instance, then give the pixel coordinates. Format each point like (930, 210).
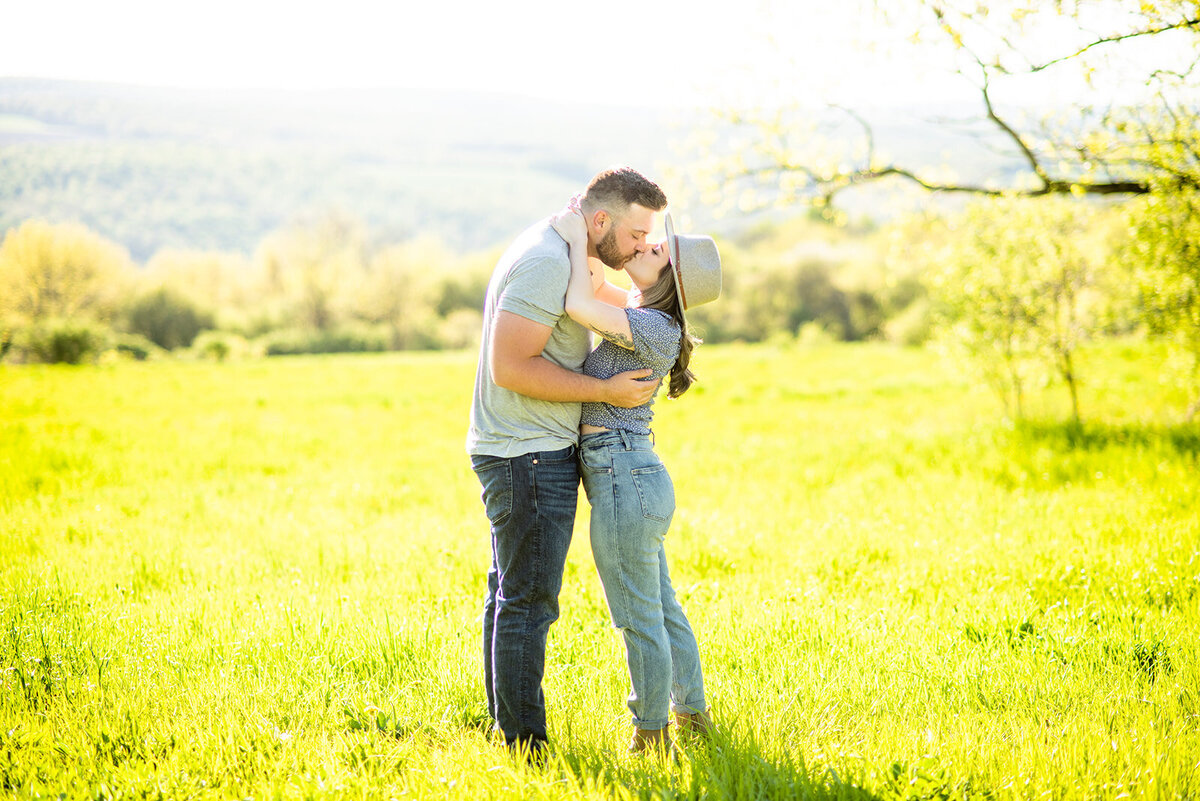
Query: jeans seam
(537, 582)
(627, 610)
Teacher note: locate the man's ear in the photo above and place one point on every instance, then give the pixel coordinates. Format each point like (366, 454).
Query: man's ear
(600, 219)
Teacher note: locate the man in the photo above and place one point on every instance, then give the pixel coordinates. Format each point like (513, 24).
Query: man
(525, 428)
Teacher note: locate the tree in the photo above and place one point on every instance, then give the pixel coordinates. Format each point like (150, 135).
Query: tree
(220, 282)
(1131, 131)
(60, 271)
(1163, 256)
(400, 291)
(1020, 285)
(310, 268)
(1123, 144)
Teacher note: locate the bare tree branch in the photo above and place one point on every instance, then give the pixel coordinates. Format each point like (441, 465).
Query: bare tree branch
(836, 182)
(1034, 164)
(867, 131)
(1190, 23)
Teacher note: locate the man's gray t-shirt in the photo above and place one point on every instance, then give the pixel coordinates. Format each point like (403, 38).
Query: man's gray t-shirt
(530, 280)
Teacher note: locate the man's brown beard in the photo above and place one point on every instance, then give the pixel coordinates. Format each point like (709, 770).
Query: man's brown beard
(608, 251)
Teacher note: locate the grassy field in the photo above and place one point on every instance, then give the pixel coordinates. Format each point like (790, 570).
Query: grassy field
(263, 579)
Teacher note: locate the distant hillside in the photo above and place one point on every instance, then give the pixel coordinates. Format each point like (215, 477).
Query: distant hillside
(156, 167)
(153, 168)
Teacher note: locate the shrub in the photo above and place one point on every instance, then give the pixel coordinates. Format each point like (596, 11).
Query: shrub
(1019, 285)
(1162, 256)
(61, 341)
(221, 346)
(167, 319)
(462, 328)
(344, 339)
(813, 333)
(8, 332)
(135, 346)
(912, 326)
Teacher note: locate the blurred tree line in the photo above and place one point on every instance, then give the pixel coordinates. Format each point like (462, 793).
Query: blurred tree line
(322, 285)
(1016, 285)
(317, 286)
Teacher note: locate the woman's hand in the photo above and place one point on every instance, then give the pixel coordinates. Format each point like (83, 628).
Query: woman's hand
(581, 303)
(571, 226)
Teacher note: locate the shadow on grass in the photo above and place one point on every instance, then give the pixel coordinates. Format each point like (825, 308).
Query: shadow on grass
(727, 769)
(461, 718)
(1182, 439)
(735, 765)
(1048, 455)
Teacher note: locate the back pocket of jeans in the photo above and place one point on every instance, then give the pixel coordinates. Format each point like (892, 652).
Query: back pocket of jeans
(656, 492)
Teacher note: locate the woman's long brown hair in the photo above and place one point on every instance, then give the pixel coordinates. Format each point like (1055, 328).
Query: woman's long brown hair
(661, 295)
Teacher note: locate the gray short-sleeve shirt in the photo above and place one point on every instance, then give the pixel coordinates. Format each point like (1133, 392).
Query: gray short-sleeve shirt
(530, 280)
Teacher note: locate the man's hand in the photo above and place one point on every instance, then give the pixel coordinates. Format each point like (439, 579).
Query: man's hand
(517, 365)
(627, 390)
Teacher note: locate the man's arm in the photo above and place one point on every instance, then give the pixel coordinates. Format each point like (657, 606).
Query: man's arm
(517, 365)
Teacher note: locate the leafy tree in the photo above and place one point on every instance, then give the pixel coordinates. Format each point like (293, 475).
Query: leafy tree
(1020, 285)
(311, 267)
(782, 298)
(1163, 255)
(60, 271)
(222, 282)
(413, 287)
(467, 292)
(1132, 132)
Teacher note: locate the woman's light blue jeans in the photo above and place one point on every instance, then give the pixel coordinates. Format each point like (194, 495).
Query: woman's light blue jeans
(633, 500)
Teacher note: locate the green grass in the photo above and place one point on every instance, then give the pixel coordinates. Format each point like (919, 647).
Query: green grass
(263, 580)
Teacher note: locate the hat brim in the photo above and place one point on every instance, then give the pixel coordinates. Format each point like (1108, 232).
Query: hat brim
(673, 252)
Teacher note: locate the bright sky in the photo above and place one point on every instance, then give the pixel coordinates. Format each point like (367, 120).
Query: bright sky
(622, 51)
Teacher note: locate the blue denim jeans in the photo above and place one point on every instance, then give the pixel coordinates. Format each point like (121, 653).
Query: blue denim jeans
(530, 502)
(633, 499)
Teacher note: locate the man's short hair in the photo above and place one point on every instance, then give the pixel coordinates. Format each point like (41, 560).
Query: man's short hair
(618, 188)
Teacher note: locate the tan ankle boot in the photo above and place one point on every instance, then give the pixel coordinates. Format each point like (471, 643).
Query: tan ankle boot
(694, 725)
(650, 740)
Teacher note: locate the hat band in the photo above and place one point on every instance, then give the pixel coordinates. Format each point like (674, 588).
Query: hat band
(679, 275)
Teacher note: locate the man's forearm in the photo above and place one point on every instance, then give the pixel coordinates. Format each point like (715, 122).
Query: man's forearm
(537, 377)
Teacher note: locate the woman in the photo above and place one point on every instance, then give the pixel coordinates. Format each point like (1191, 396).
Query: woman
(630, 492)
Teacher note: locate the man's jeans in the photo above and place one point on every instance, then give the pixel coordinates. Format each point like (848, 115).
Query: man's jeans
(530, 502)
(632, 501)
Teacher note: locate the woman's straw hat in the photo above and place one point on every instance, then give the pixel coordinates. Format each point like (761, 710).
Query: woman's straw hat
(697, 266)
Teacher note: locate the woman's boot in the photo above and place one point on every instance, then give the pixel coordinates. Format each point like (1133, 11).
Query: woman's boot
(694, 726)
(650, 740)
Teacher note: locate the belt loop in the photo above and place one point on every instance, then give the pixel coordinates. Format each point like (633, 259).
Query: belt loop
(624, 438)
(652, 442)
